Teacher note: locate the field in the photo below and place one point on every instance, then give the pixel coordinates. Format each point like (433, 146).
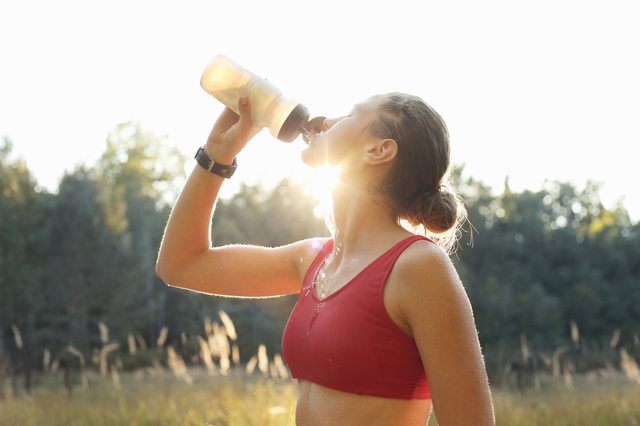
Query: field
(158, 398)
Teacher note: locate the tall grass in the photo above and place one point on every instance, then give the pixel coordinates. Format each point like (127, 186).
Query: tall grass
(217, 390)
(161, 398)
(589, 400)
(157, 399)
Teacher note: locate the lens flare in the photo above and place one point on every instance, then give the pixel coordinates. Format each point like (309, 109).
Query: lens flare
(319, 184)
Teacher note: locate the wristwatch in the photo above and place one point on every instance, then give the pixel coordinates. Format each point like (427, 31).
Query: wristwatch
(210, 165)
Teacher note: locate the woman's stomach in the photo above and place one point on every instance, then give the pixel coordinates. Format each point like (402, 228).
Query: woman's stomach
(320, 405)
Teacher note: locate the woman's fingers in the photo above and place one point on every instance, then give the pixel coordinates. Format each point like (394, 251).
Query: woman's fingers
(246, 129)
(232, 131)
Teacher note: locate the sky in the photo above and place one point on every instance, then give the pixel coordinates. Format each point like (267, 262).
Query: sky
(545, 90)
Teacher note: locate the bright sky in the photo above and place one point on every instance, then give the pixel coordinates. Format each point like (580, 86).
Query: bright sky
(533, 90)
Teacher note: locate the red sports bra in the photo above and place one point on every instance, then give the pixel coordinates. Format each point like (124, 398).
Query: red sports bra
(347, 341)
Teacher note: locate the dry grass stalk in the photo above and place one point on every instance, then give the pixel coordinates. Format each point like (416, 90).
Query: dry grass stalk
(263, 359)
(162, 338)
(17, 337)
(95, 357)
(75, 352)
(567, 374)
(615, 339)
(283, 373)
(115, 376)
(235, 354)
(636, 340)
(251, 365)
(213, 346)
(629, 366)
(183, 338)
(546, 360)
(222, 346)
(225, 365)
(131, 343)
(273, 370)
(177, 365)
(215, 328)
(555, 359)
(141, 342)
(228, 325)
(524, 349)
(205, 355)
(208, 329)
(55, 365)
(104, 332)
(104, 353)
(575, 333)
(46, 360)
(83, 376)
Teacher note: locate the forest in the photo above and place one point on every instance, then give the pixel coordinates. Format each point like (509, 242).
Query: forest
(553, 276)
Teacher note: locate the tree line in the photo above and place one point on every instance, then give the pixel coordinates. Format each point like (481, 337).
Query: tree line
(544, 269)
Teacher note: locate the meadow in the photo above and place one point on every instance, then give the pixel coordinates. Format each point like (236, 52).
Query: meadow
(212, 387)
(158, 397)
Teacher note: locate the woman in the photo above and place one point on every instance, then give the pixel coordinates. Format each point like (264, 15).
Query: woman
(383, 326)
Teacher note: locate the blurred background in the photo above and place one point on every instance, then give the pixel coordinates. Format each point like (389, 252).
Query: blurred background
(101, 113)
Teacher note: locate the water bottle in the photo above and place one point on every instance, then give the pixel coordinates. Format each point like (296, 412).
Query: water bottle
(227, 81)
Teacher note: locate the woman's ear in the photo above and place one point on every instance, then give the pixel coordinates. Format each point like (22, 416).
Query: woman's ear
(381, 151)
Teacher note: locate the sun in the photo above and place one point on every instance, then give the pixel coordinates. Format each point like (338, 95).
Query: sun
(318, 183)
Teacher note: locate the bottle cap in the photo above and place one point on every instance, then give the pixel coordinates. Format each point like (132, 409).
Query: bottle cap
(291, 127)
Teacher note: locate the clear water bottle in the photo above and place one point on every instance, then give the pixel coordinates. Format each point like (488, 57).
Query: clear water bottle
(227, 81)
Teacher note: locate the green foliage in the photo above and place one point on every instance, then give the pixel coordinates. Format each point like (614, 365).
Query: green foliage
(268, 218)
(24, 238)
(543, 259)
(85, 254)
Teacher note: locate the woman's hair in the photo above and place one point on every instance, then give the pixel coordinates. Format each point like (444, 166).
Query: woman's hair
(418, 185)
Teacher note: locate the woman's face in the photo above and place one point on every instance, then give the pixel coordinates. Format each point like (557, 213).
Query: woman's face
(341, 140)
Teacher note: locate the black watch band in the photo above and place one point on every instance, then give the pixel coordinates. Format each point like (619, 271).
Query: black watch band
(210, 165)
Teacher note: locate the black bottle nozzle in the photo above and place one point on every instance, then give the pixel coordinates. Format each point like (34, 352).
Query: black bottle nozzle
(312, 128)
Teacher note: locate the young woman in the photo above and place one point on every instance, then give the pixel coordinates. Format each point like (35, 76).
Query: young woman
(383, 327)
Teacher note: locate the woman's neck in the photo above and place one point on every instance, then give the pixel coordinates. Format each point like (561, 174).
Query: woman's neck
(362, 220)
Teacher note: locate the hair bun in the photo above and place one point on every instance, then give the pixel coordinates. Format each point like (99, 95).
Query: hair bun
(438, 210)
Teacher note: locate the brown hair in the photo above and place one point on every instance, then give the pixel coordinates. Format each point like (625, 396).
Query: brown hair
(418, 185)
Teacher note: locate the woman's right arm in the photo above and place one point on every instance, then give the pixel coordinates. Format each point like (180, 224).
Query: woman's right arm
(187, 258)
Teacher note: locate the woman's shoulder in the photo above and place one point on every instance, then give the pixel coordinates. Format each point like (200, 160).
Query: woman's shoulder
(422, 284)
(423, 249)
(425, 267)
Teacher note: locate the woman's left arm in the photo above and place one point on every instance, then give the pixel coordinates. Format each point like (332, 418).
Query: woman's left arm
(433, 302)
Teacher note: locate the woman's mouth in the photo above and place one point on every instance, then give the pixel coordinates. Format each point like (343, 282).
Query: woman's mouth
(312, 130)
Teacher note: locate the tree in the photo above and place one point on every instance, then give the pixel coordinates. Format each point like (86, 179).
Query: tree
(23, 244)
(137, 173)
(86, 273)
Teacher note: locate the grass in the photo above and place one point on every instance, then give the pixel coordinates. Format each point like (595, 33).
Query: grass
(158, 398)
(589, 401)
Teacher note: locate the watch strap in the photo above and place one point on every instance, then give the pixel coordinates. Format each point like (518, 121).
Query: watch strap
(210, 165)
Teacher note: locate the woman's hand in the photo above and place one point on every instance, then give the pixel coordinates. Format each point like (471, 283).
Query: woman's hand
(231, 132)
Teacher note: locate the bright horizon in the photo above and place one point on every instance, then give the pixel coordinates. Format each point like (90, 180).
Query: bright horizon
(535, 92)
